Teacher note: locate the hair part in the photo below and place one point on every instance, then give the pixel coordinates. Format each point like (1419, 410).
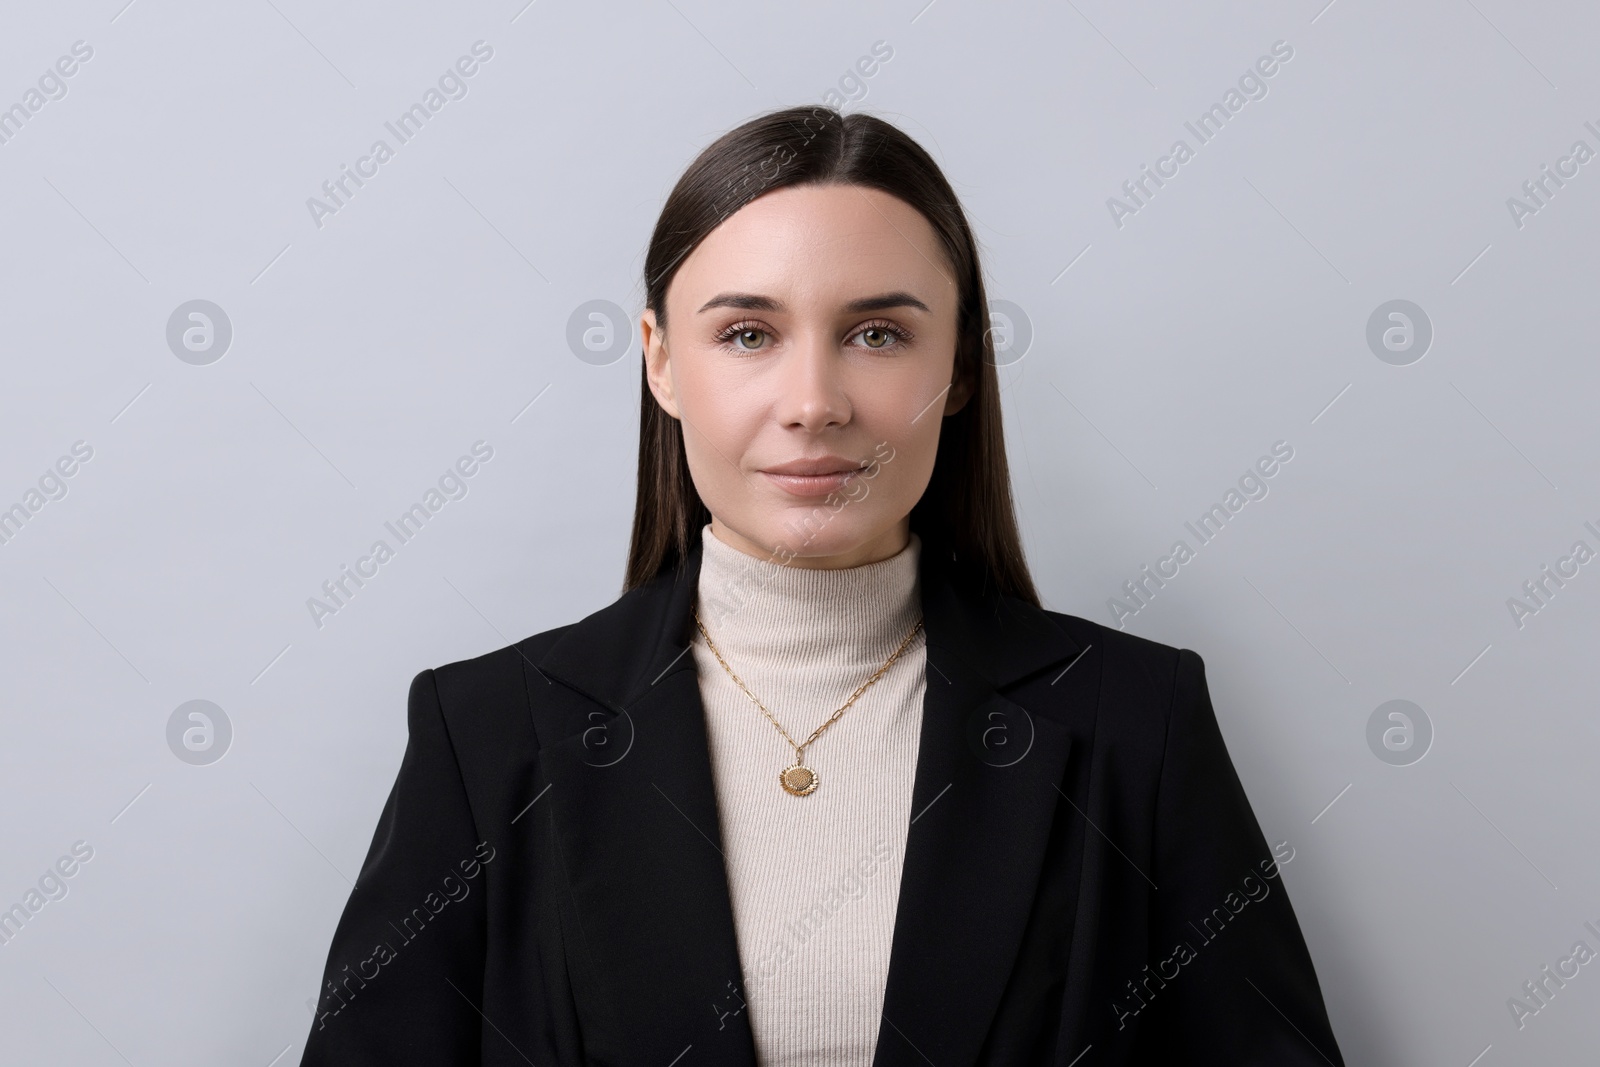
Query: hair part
(967, 515)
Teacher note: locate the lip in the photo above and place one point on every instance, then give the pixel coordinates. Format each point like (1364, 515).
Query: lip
(812, 477)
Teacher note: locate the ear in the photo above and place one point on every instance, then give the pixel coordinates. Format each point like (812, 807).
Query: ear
(657, 363)
(961, 389)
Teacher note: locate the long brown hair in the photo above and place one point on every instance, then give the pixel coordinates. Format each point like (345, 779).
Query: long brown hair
(966, 516)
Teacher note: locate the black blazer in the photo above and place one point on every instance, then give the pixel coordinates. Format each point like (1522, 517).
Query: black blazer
(1084, 882)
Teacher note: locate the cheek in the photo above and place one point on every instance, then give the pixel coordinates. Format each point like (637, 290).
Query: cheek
(915, 456)
(909, 420)
(903, 452)
(902, 431)
(719, 425)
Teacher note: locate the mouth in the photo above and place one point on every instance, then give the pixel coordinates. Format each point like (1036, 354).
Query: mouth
(812, 478)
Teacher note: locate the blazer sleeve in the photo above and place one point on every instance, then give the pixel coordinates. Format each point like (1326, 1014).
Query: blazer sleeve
(405, 969)
(1232, 974)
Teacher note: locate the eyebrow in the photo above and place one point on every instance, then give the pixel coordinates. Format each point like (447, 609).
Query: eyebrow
(756, 302)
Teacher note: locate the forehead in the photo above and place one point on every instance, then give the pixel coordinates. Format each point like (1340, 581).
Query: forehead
(819, 243)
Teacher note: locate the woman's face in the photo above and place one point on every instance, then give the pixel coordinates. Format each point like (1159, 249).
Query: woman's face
(808, 356)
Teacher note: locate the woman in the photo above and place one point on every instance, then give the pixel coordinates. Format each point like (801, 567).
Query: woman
(826, 785)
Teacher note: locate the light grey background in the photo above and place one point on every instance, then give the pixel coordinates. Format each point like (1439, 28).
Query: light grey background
(1169, 353)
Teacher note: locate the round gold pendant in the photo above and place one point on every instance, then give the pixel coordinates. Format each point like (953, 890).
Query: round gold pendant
(797, 781)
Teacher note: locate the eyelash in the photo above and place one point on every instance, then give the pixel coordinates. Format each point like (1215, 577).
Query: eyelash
(900, 334)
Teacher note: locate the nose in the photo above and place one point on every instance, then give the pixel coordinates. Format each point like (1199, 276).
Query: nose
(812, 381)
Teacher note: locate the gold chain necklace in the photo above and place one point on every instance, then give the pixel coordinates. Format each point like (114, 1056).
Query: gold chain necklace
(799, 780)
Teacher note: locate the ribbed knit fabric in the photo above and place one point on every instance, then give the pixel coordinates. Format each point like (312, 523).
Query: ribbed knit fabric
(814, 880)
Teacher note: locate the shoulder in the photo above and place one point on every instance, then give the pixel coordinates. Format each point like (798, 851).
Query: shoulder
(484, 699)
(1128, 659)
(499, 668)
(497, 696)
(1139, 684)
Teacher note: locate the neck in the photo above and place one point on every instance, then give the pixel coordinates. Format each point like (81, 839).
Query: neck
(759, 608)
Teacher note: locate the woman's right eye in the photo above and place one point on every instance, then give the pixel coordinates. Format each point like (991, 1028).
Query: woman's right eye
(743, 338)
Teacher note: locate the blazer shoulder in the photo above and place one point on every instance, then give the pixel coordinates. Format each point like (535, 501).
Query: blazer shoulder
(499, 664)
(485, 698)
(1126, 650)
(1138, 677)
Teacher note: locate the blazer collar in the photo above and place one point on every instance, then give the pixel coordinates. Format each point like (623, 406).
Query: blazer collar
(633, 809)
(619, 653)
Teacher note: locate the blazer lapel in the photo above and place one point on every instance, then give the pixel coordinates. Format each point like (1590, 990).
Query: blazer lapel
(633, 807)
(984, 798)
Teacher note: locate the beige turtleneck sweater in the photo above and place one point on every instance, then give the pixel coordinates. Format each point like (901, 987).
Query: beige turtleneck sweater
(813, 880)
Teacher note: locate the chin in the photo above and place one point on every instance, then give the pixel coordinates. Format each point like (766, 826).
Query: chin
(822, 531)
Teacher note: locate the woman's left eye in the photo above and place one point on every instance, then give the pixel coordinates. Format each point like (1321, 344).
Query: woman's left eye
(881, 334)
